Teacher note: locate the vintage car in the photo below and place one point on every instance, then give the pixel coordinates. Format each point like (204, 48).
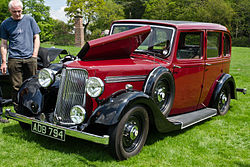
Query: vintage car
(146, 74)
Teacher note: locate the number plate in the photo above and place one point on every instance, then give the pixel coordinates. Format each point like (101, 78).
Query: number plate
(48, 131)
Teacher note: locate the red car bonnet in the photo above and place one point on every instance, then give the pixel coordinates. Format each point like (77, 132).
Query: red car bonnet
(119, 45)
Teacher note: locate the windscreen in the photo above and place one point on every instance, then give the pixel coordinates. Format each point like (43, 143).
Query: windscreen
(159, 41)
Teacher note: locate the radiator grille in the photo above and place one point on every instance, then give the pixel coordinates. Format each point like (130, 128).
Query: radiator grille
(71, 92)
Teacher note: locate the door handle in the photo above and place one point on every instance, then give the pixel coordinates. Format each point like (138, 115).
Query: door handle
(207, 64)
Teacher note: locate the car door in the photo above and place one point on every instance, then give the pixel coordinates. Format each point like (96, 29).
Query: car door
(213, 65)
(188, 71)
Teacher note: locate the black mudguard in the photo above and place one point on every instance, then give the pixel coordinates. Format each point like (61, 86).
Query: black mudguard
(224, 80)
(36, 99)
(115, 107)
(148, 85)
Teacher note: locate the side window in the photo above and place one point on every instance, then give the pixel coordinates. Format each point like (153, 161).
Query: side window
(226, 49)
(213, 44)
(190, 45)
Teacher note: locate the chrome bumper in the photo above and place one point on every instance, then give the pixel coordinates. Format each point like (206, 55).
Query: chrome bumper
(70, 132)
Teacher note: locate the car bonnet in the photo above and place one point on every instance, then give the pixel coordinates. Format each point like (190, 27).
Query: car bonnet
(115, 46)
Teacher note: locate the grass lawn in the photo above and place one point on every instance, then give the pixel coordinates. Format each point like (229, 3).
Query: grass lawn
(219, 141)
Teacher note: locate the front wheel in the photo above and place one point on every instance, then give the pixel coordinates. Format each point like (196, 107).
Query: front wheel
(129, 136)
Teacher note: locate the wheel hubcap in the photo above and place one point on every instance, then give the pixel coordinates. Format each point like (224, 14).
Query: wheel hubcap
(223, 101)
(133, 132)
(161, 94)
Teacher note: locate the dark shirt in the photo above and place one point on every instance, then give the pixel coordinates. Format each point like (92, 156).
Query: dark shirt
(20, 34)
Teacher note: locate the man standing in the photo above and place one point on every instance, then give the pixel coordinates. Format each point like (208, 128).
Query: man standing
(22, 33)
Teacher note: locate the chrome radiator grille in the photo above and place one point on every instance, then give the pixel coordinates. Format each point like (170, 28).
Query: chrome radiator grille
(71, 92)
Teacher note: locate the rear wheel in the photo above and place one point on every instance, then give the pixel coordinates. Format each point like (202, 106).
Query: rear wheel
(224, 98)
(129, 136)
(163, 92)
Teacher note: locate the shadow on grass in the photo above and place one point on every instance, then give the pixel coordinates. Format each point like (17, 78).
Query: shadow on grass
(86, 150)
(155, 136)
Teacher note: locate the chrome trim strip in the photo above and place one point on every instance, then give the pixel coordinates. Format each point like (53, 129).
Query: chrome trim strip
(116, 79)
(70, 132)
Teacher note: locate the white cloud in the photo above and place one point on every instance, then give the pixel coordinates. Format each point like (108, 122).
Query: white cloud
(59, 14)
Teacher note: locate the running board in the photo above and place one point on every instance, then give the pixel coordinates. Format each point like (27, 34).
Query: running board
(194, 117)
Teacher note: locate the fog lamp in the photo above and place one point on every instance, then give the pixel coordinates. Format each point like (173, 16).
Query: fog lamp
(46, 77)
(77, 114)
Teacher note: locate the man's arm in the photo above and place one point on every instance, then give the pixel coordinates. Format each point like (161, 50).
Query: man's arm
(36, 45)
(4, 56)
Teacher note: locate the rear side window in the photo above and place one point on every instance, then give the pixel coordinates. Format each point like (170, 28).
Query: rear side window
(226, 49)
(213, 44)
(190, 45)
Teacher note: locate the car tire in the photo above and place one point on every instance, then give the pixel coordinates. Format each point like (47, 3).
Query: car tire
(163, 92)
(129, 136)
(223, 103)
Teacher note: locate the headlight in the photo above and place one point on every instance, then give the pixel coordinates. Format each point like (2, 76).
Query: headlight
(46, 77)
(77, 114)
(95, 87)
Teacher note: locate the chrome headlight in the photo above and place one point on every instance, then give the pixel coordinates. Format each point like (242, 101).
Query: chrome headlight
(95, 87)
(77, 114)
(46, 77)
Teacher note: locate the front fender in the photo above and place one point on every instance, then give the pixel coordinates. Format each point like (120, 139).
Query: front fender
(112, 111)
(33, 97)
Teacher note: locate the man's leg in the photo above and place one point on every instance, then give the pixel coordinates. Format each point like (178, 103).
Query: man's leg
(29, 67)
(15, 71)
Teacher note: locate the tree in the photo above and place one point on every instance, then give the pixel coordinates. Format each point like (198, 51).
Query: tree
(241, 20)
(62, 33)
(216, 11)
(104, 17)
(86, 8)
(162, 9)
(133, 9)
(40, 13)
(4, 12)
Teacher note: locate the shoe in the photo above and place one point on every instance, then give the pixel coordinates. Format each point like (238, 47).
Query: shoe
(4, 120)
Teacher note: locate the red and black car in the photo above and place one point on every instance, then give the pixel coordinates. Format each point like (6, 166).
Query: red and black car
(146, 73)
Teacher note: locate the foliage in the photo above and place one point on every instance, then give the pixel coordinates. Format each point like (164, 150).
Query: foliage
(241, 41)
(133, 9)
(109, 12)
(40, 13)
(4, 12)
(241, 20)
(219, 141)
(216, 11)
(62, 33)
(234, 14)
(85, 8)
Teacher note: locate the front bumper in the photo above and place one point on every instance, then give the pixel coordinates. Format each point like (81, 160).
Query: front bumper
(70, 132)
